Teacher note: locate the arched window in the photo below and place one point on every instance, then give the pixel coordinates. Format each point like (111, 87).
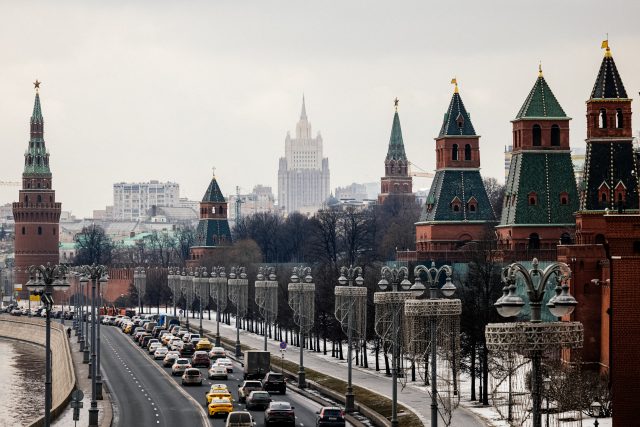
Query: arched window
(533, 198)
(537, 135)
(467, 152)
(39, 198)
(534, 241)
(565, 239)
(454, 152)
(619, 118)
(555, 135)
(24, 230)
(564, 198)
(26, 200)
(603, 197)
(213, 209)
(39, 230)
(602, 119)
(54, 231)
(456, 208)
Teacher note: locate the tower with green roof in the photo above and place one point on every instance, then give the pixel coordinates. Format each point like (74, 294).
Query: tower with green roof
(540, 194)
(213, 230)
(36, 213)
(396, 180)
(457, 210)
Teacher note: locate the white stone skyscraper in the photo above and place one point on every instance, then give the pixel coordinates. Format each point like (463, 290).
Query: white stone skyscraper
(303, 175)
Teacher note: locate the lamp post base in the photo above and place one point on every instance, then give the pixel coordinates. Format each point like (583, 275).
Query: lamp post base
(394, 423)
(93, 415)
(349, 401)
(85, 355)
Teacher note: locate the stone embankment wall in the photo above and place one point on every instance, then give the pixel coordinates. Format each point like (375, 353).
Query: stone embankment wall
(63, 378)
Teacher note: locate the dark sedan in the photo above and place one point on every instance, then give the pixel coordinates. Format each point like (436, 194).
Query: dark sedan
(279, 414)
(200, 359)
(330, 416)
(258, 400)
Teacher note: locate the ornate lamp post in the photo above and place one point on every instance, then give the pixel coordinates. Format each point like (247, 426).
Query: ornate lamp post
(84, 282)
(351, 312)
(388, 325)
(173, 279)
(140, 283)
(185, 286)
(422, 316)
(532, 338)
(238, 294)
(218, 291)
(302, 300)
(267, 297)
(43, 281)
(596, 411)
(200, 284)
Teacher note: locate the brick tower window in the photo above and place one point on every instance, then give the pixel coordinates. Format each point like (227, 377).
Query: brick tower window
(602, 119)
(534, 241)
(619, 118)
(39, 230)
(467, 152)
(555, 135)
(456, 204)
(24, 230)
(536, 133)
(454, 152)
(533, 198)
(564, 198)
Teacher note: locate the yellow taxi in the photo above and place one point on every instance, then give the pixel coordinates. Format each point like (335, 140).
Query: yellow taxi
(218, 387)
(204, 344)
(218, 394)
(166, 338)
(127, 329)
(220, 406)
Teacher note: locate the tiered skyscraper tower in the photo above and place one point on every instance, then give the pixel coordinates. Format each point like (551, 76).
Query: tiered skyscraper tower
(36, 214)
(303, 175)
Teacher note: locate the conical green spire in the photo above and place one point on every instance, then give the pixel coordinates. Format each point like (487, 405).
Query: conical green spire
(36, 116)
(457, 120)
(36, 158)
(213, 193)
(396, 145)
(541, 103)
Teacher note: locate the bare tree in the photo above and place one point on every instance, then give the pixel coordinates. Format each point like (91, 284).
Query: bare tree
(93, 246)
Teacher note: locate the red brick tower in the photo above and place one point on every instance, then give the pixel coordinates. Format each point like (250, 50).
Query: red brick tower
(36, 214)
(396, 180)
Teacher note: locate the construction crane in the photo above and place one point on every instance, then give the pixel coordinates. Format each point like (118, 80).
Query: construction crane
(423, 174)
(239, 203)
(9, 183)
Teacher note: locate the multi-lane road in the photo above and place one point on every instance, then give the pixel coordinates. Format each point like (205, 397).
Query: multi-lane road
(145, 393)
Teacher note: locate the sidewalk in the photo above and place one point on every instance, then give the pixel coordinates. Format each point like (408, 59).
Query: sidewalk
(413, 398)
(83, 383)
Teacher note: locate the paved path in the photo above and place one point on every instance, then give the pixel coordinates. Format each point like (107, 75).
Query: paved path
(411, 397)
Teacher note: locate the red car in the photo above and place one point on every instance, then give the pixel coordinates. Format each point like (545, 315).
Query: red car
(200, 359)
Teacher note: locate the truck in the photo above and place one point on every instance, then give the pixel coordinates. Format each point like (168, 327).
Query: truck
(165, 321)
(256, 364)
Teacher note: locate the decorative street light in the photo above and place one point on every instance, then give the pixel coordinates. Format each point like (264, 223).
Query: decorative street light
(200, 285)
(388, 325)
(302, 300)
(596, 411)
(351, 312)
(534, 337)
(173, 279)
(140, 283)
(97, 274)
(267, 297)
(422, 318)
(238, 294)
(218, 290)
(43, 280)
(84, 281)
(185, 286)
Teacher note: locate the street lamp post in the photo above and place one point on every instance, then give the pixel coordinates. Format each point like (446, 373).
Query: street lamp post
(351, 312)
(218, 290)
(99, 279)
(84, 282)
(200, 282)
(388, 325)
(238, 294)
(173, 279)
(596, 412)
(185, 285)
(302, 300)
(140, 283)
(417, 311)
(43, 281)
(267, 297)
(532, 338)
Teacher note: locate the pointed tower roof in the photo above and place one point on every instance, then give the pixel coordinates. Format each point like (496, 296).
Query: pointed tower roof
(36, 157)
(396, 145)
(36, 116)
(213, 193)
(608, 82)
(456, 120)
(541, 102)
(303, 113)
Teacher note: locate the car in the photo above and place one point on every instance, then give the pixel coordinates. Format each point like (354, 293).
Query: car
(217, 353)
(128, 327)
(195, 341)
(330, 416)
(170, 358)
(160, 353)
(217, 394)
(279, 414)
(16, 312)
(258, 400)
(162, 334)
(226, 363)
(200, 359)
(152, 342)
(247, 387)
(192, 376)
(173, 344)
(193, 336)
(174, 330)
(166, 338)
(181, 333)
(240, 419)
(204, 344)
(219, 406)
(144, 339)
(274, 381)
(187, 349)
(181, 364)
(218, 372)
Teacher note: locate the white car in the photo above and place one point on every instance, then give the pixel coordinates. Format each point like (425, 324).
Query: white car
(160, 353)
(176, 344)
(154, 346)
(190, 337)
(180, 366)
(226, 363)
(218, 372)
(217, 353)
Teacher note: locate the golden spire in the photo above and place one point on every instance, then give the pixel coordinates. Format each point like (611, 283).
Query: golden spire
(395, 103)
(36, 85)
(454, 81)
(605, 46)
(540, 69)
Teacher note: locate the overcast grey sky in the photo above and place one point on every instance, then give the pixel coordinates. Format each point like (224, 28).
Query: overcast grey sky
(140, 90)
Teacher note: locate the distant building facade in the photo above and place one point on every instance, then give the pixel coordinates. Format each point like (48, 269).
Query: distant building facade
(261, 199)
(303, 174)
(132, 200)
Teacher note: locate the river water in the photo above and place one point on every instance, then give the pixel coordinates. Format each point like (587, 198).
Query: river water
(21, 382)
